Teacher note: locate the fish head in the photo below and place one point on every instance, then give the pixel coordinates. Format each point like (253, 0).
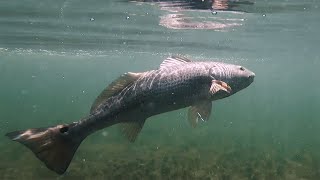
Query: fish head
(235, 76)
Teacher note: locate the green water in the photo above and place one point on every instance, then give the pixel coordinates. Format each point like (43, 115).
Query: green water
(56, 57)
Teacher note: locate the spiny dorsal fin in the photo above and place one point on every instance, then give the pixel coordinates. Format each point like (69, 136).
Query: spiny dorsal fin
(199, 111)
(115, 87)
(174, 61)
(131, 129)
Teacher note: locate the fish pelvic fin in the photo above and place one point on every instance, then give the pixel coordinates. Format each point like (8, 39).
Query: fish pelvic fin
(199, 111)
(55, 146)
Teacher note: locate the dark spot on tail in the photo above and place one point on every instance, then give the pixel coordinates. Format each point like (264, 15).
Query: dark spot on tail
(64, 129)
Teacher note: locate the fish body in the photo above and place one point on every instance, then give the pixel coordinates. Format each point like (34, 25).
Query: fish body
(134, 97)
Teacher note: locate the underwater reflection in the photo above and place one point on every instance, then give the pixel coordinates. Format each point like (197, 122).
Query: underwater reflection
(201, 14)
(183, 15)
(180, 21)
(220, 4)
(229, 5)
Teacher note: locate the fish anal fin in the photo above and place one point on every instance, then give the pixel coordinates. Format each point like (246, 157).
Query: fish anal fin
(115, 87)
(199, 111)
(131, 129)
(174, 61)
(219, 86)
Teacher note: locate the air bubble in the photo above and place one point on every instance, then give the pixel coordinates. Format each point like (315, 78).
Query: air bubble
(105, 133)
(35, 108)
(24, 92)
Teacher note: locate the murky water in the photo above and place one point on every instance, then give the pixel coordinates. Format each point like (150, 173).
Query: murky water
(56, 57)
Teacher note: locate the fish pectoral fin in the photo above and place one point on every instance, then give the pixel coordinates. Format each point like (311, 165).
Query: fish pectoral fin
(131, 129)
(174, 61)
(115, 87)
(199, 111)
(219, 85)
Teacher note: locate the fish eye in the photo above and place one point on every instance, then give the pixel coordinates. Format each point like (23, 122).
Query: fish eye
(241, 68)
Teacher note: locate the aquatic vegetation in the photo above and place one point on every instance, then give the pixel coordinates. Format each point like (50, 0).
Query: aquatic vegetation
(124, 160)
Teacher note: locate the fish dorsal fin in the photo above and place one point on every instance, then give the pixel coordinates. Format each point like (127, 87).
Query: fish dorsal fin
(131, 129)
(115, 87)
(199, 111)
(174, 61)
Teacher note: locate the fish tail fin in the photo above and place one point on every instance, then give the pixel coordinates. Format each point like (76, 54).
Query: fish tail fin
(55, 146)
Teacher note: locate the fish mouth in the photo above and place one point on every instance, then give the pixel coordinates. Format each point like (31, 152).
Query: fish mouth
(240, 84)
(251, 77)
